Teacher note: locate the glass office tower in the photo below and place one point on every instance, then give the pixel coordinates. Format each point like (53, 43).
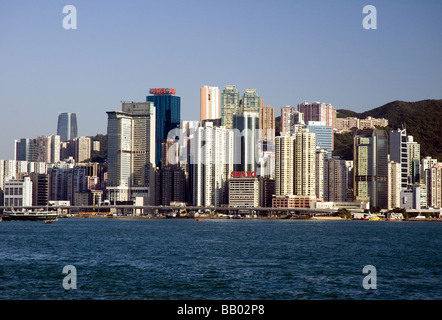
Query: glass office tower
(371, 167)
(67, 126)
(167, 115)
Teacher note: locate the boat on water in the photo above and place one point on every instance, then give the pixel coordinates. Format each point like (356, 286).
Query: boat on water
(29, 215)
(372, 217)
(393, 216)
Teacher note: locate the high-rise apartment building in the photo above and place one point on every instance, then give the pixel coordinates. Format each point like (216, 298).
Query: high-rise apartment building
(406, 151)
(131, 152)
(413, 157)
(211, 160)
(229, 105)
(168, 110)
(434, 193)
(40, 149)
(267, 127)
(67, 126)
(289, 118)
(286, 113)
(65, 179)
(394, 185)
(170, 185)
(321, 158)
(284, 164)
(40, 188)
(209, 103)
(399, 153)
(305, 163)
(338, 180)
(250, 101)
(82, 148)
(371, 167)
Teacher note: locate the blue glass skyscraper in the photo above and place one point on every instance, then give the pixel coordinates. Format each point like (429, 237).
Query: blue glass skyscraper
(167, 115)
(324, 135)
(67, 126)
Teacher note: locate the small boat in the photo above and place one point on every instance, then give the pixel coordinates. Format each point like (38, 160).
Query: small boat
(374, 218)
(392, 216)
(50, 221)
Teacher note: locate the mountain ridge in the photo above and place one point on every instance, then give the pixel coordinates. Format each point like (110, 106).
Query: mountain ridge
(422, 120)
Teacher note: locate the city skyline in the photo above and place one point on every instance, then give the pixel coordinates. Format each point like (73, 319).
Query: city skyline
(48, 70)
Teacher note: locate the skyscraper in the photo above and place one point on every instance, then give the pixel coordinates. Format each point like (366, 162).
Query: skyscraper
(394, 185)
(267, 127)
(209, 103)
(67, 126)
(40, 149)
(229, 105)
(131, 152)
(246, 142)
(290, 117)
(284, 164)
(371, 167)
(324, 135)
(211, 159)
(305, 163)
(338, 180)
(413, 156)
(398, 153)
(250, 101)
(168, 111)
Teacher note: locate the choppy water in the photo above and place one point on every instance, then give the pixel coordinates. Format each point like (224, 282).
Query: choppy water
(220, 259)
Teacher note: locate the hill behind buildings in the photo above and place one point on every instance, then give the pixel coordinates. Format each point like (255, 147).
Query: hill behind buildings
(422, 119)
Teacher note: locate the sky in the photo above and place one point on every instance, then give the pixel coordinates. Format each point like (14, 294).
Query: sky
(289, 51)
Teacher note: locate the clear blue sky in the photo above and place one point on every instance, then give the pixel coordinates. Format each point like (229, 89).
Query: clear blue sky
(290, 51)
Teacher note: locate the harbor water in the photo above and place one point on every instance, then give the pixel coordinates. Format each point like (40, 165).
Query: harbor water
(162, 259)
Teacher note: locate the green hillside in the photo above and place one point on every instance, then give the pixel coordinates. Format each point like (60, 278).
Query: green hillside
(422, 119)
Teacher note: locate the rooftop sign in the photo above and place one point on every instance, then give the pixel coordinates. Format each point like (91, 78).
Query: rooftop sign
(162, 91)
(243, 174)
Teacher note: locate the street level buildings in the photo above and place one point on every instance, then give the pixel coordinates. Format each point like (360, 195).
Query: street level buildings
(244, 192)
(18, 192)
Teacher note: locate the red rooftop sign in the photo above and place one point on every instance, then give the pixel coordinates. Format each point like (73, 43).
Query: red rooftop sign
(243, 174)
(162, 91)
